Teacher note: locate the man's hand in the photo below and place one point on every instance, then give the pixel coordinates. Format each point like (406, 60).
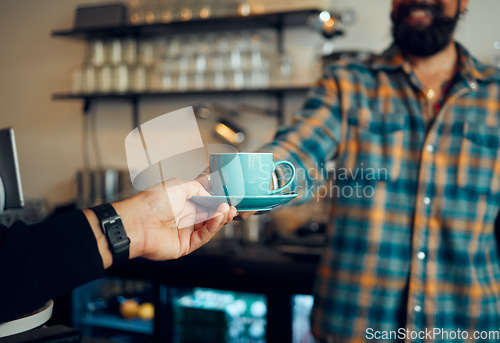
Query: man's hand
(164, 224)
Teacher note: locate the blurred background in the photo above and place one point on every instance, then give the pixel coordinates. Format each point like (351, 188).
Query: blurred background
(78, 76)
(34, 65)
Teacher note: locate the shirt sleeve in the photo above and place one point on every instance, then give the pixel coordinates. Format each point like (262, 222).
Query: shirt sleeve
(312, 139)
(42, 261)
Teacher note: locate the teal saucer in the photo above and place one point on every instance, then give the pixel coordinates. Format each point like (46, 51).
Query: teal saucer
(244, 203)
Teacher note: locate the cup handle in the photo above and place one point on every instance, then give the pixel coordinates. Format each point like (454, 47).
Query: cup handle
(282, 188)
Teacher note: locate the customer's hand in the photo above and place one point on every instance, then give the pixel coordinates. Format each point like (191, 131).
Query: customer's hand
(244, 215)
(164, 224)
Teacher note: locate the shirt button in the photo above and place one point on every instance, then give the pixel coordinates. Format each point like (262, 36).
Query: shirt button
(418, 308)
(430, 94)
(429, 148)
(473, 84)
(427, 200)
(421, 255)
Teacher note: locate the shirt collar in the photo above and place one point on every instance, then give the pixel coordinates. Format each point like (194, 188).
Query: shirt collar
(469, 67)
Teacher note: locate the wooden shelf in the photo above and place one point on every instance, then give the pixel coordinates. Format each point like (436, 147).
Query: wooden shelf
(134, 95)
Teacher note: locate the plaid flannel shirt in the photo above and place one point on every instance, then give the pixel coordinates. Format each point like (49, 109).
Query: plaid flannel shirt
(414, 202)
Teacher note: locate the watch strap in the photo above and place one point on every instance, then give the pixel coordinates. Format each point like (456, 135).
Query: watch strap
(112, 226)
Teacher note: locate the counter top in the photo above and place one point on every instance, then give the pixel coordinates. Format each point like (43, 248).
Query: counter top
(278, 272)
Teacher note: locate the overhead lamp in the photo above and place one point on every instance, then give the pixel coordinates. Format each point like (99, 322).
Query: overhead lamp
(224, 128)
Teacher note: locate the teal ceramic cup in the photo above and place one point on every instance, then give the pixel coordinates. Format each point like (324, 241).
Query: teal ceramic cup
(245, 174)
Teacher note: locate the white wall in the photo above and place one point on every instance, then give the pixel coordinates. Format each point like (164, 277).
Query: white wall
(33, 65)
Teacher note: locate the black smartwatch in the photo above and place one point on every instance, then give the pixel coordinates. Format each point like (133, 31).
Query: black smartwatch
(112, 227)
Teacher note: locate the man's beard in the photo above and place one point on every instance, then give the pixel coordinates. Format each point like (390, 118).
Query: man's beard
(422, 41)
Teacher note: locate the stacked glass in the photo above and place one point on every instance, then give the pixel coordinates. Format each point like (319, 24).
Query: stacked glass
(115, 66)
(180, 63)
(206, 62)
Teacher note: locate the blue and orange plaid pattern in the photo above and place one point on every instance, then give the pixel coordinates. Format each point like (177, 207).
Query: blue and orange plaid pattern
(420, 245)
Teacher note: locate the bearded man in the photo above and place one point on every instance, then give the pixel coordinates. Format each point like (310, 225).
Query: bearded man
(415, 257)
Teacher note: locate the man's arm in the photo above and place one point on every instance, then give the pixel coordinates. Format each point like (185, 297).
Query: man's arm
(152, 222)
(313, 138)
(45, 260)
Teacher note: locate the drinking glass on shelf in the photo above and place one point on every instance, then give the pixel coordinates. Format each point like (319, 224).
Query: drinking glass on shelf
(104, 79)
(182, 81)
(115, 51)
(247, 78)
(235, 58)
(201, 61)
(236, 63)
(219, 79)
(174, 47)
(264, 71)
(165, 70)
(255, 78)
(147, 53)
(171, 64)
(256, 59)
(189, 45)
(130, 51)
(168, 81)
(204, 44)
(222, 44)
(121, 79)
(199, 81)
(209, 79)
(219, 61)
(97, 52)
(200, 70)
(208, 48)
(244, 43)
(238, 79)
(183, 62)
(139, 78)
(154, 75)
(282, 69)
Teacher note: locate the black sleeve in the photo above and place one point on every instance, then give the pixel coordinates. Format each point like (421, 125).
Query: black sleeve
(42, 261)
